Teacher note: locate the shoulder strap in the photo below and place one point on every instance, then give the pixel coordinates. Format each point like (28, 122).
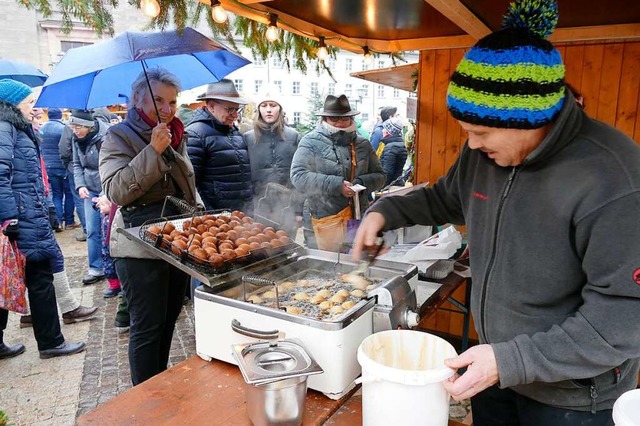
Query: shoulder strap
(354, 161)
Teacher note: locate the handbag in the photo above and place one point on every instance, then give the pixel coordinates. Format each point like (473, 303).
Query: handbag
(12, 285)
(331, 231)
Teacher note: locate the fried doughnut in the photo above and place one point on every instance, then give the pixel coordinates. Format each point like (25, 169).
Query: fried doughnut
(301, 296)
(294, 310)
(336, 298)
(255, 299)
(348, 305)
(336, 310)
(316, 299)
(154, 230)
(281, 233)
(325, 293)
(269, 294)
(358, 293)
(343, 293)
(326, 305)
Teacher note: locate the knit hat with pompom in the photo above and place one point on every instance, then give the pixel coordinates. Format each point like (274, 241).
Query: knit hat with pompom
(512, 78)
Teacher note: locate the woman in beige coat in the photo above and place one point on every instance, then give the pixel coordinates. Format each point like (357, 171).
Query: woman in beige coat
(143, 160)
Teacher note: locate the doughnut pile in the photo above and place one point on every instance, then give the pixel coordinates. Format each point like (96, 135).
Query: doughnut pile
(217, 239)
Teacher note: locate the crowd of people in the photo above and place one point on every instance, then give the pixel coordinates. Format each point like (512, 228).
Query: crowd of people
(98, 173)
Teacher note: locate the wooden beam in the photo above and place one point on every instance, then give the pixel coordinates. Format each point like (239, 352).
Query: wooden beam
(253, 1)
(600, 32)
(460, 15)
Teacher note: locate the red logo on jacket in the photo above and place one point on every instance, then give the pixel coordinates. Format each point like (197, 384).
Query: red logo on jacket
(481, 196)
(636, 276)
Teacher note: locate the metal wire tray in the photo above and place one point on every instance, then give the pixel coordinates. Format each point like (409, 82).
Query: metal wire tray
(203, 266)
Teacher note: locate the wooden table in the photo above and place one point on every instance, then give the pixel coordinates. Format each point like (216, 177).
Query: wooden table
(200, 392)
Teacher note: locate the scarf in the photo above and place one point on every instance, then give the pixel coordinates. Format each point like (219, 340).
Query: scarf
(333, 129)
(82, 142)
(175, 127)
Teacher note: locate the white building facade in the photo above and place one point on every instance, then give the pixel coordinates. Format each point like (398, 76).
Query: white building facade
(29, 37)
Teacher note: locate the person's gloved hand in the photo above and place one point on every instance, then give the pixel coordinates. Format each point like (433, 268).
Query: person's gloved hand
(12, 230)
(53, 219)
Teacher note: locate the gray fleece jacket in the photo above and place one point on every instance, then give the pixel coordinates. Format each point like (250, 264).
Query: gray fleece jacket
(555, 259)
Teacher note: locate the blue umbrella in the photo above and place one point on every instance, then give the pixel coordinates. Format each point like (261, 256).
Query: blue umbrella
(22, 72)
(101, 74)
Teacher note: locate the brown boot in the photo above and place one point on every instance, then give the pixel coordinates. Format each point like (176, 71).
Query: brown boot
(26, 321)
(81, 313)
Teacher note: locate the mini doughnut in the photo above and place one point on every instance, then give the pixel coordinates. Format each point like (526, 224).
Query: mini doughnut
(336, 298)
(196, 221)
(168, 227)
(317, 299)
(336, 310)
(343, 293)
(325, 293)
(281, 233)
(269, 294)
(255, 299)
(358, 293)
(301, 296)
(186, 225)
(348, 305)
(294, 310)
(326, 305)
(154, 230)
(229, 255)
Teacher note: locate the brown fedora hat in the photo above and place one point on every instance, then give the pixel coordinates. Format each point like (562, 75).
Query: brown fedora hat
(337, 107)
(224, 90)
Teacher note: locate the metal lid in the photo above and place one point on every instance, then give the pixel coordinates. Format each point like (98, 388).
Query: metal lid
(267, 362)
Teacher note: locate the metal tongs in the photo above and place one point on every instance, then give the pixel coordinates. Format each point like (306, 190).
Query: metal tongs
(368, 257)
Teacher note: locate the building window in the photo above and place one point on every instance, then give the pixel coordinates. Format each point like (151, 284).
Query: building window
(381, 63)
(381, 92)
(296, 117)
(347, 89)
(331, 64)
(295, 88)
(257, 86)
(314, 89)
(413, 95)
(332, 89)
(364, 66)
(365, 116)
(396, 93)
(278, 84)
(348, 65)
(259, 62)
(66, 45)
(239, 84)
(364, 91)
(277, 62)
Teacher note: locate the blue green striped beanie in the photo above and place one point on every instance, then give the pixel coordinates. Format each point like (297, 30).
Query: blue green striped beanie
(512, 78)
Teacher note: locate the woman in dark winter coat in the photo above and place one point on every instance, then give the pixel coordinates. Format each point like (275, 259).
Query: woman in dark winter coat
(394, 154)
(329, 161)
(25, 218)
(219, 154)
(271, 146)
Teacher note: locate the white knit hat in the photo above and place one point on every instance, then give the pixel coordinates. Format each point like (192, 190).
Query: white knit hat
(269, 92)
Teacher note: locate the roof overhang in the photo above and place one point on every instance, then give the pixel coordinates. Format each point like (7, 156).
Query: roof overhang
(400, 77)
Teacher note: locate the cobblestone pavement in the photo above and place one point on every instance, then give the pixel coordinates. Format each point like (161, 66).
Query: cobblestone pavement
(56, 391)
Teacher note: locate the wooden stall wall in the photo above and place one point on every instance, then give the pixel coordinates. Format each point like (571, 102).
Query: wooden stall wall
(607, 74)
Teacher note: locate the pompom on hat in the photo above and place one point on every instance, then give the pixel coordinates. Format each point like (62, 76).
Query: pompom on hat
(512, 78)
(13, 91)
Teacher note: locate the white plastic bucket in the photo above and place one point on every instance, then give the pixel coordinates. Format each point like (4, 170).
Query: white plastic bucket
(626, 410)
(402, 374)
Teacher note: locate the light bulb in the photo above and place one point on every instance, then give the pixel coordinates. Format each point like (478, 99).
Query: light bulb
(150, 8)
(322, 53)
(272, 33)
(368, 57)
(218, 13)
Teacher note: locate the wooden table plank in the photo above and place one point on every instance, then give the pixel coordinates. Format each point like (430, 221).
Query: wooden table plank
(192, 392)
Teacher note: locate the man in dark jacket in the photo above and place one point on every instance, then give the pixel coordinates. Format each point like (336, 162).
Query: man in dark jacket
(51, 132)
(394, 153)
(65, 148)
(386, 113)
(87, 140)
(219, 154)
(550, 199)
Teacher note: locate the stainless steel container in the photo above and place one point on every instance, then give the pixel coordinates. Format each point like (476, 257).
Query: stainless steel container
(275, 375)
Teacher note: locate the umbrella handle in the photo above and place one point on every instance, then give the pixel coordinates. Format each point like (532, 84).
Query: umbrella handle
(153, 99)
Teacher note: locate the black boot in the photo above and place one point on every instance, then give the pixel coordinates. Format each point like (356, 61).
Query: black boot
(63, 349)
(11, 351)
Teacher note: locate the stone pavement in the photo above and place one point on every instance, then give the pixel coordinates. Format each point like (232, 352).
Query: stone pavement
(56, 391)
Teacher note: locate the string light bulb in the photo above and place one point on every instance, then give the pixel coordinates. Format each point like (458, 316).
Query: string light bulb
(218, 13)
(273, 33)
(150, 8)
(322, 50)
(368, 57)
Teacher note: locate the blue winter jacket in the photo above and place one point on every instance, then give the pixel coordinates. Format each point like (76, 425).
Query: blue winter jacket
(50, 133)
(220, 160)
(393, 158)
(22, 186)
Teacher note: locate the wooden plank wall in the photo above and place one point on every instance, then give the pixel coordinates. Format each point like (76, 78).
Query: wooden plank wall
(607, 75)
